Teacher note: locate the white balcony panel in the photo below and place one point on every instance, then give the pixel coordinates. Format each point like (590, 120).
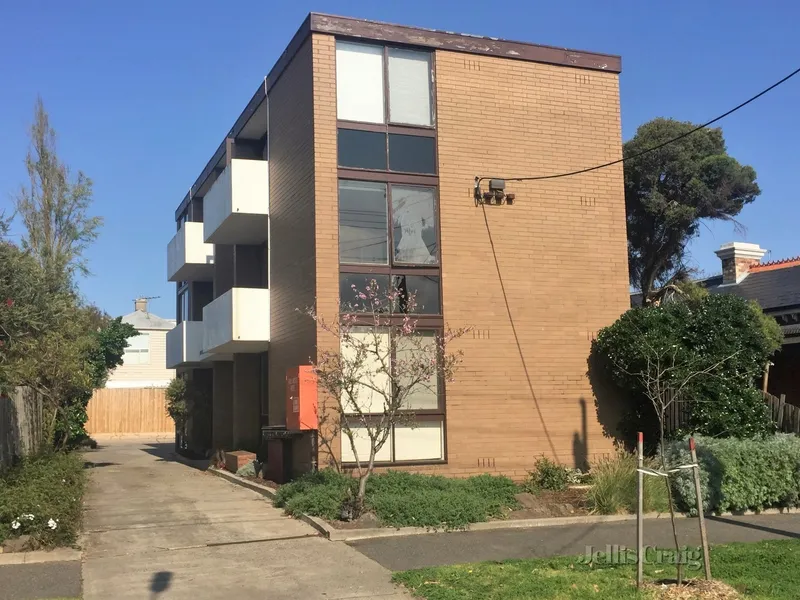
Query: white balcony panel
(189, 258)
(237, 321)
(236, 208)
(184, 344)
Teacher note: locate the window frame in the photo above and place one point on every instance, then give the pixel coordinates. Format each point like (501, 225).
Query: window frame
(138, 352)
(425, 322)
(387, 123)
(438, 414)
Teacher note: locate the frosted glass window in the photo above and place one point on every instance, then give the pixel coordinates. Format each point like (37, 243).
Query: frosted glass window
(362, 444)
(371, 372)
(425, 394)
(423, 441)
(409, 87)
(359, 82)
(138, 350)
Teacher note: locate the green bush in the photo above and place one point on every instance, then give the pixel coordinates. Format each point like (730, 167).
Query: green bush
(739, 474)
(613, 488)
(548, 475)
(401, 499)
(40, 492)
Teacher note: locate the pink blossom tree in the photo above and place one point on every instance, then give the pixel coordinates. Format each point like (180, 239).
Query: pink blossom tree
(382, 361)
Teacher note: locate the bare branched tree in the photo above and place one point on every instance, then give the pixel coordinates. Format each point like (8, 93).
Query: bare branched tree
(665, 379)
(374, 380)
(53, 207)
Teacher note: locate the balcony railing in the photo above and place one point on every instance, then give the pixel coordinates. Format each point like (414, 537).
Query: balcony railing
(236, 208)
(184, 344)
(237, 321)
(189, 258)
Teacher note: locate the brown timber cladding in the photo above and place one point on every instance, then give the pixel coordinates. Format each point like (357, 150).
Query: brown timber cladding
(561, 250)
(128, 410)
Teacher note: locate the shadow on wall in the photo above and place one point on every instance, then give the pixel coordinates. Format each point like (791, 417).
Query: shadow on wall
(580, 442)
(610, 402)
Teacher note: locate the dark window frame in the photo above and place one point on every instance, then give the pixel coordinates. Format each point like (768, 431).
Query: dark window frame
(438, 414)
(425, 322)
(382, 129)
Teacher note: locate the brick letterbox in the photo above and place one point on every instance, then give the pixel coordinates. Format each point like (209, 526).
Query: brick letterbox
(301, 399)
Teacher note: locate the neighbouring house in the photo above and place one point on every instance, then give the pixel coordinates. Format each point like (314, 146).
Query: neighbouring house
(356, 158)
(143, 362)
(775, 286)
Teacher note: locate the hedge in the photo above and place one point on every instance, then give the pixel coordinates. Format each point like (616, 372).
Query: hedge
(739, 474)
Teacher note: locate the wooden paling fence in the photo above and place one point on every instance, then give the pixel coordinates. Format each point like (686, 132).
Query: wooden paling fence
(128, 410)
(785, 416)
(21, 428)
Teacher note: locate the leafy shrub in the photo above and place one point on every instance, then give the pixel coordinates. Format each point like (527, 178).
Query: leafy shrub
(320, 494)
(727, 335)
(739, 474)
(402, 499)
(40, 492)
(613, 488)
(177, 405)
(548, 475)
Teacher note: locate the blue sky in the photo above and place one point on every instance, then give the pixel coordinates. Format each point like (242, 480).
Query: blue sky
(141, 93)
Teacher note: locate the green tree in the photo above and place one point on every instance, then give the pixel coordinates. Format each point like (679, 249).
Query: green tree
(669, 192)
(706, 352)
(54, 208)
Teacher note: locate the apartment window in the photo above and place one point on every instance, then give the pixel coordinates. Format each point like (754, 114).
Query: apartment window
(138, 350)
(376, 84)
(420, 440)
(359, 82)
(395, 152)
(409, 86)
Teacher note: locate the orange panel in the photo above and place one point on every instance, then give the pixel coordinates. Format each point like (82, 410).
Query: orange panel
(301, 399)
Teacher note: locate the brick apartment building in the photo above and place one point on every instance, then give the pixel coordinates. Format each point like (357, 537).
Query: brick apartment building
(356, 159)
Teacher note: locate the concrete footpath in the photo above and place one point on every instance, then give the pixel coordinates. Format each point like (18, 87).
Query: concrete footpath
(414, 552)
(40, 580)
(156, 528)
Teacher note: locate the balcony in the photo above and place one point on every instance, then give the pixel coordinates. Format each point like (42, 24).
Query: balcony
(236, 208)
(237, 321)
(184, 344)
(189, 258)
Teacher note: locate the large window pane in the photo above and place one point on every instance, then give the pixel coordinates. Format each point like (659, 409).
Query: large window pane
(415, 239)
(362, 149)
(366, 355)
(363, 229)
(410, 351)
(363, 446)
(409, 87)
(426, 293)
(359, 82)
(348, 296)
(422, 441)
(411, 153)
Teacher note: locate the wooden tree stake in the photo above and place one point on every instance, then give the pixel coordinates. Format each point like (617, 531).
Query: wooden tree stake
(640, 511)
(700, 515)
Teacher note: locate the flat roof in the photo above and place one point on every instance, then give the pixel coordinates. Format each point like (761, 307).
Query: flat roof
(413, 36)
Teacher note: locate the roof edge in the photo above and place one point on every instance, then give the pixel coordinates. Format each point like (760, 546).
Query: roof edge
(463, 42)
(404, 34)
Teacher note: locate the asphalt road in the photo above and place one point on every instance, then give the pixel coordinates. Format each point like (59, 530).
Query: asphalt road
(40, 580)
(414, 552)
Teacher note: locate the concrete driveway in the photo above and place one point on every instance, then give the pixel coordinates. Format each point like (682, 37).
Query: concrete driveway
(158, 529)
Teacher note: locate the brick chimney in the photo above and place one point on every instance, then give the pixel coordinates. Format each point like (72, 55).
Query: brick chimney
(140, 304)
(737, 258)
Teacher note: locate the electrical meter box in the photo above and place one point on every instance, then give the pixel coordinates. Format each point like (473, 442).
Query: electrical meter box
(301, 399)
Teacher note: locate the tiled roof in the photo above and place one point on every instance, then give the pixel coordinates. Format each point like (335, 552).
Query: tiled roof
(773, 287)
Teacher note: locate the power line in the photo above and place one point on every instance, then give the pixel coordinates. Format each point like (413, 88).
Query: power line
(654, 148)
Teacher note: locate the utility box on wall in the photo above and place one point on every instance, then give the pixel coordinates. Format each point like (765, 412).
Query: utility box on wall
(301, 399)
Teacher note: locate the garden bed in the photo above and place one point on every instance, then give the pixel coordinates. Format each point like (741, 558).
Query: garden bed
(40, 502)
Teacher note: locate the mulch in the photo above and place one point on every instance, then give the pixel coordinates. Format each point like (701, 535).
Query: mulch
(694, 589)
